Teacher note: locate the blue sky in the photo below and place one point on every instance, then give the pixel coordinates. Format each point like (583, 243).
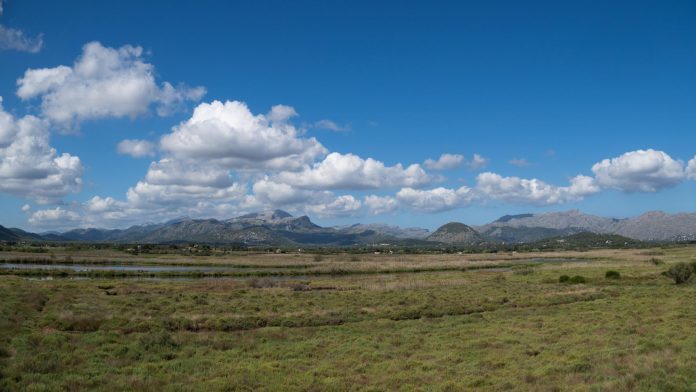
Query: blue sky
(543, 92)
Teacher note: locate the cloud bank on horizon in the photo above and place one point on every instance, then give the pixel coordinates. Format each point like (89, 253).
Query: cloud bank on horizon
(224, 159)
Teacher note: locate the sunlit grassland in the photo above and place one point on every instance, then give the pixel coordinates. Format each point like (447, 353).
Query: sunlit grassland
(517, 328)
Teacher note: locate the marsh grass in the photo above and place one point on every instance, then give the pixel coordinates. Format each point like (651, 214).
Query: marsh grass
(334, 270)
(482, 329)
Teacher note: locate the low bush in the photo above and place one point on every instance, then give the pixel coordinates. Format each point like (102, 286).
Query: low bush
(680, 272)
(611, 274)
(577, 279)
(572, 279)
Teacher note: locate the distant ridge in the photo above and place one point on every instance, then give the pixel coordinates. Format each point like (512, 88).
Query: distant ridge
(650, 226)
(278, 227)
(385, 229)
(274, 227)
(7, 234)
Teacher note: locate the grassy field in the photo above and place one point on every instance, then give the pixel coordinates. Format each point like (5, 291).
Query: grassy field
(403, 322)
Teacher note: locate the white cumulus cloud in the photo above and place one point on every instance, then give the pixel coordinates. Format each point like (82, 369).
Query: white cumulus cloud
(435, 200)
(168, 171)
(378, 205)
(231, 135)
(533, 191)
(348, 171)
(639, 171)
(280, 194)
(98, 204)
(136, 148)
(149, 195)
(691, 169)
(270, 194)
(341, 206)
(477, 162)
(13, 39)
(57, 218)
(29, 166)
(445, 162)
(103, 82)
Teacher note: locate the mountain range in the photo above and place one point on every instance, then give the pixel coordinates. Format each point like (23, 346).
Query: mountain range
(651, 226)
(279, 228)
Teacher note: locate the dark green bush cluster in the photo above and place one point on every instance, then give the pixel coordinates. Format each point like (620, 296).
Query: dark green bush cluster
(572, 279)
(577, 279)
(611, 274)
(680, 272)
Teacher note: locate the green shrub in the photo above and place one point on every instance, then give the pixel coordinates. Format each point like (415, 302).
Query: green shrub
(656, 261)
(680, 272)
(577, 279)
(611, 274)
(563, 278)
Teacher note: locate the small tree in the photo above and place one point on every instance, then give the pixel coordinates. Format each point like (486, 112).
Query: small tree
(680, 272)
